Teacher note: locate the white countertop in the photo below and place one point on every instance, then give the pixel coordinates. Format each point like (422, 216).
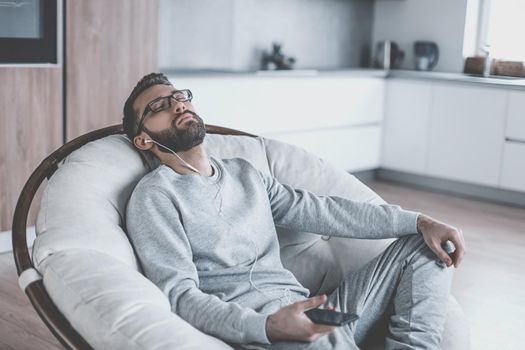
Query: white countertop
(366, 72)
(502, 81)
(495, 81)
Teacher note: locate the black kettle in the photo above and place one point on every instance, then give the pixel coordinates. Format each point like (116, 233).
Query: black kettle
(427, 55)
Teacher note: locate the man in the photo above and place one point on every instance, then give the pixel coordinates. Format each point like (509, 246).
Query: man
(204, 232)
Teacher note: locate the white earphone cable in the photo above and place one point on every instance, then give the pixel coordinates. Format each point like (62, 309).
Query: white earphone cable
(287, 293)
(184, 163)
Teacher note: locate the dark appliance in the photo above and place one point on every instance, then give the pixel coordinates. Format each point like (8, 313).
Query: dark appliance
(28, 31)
(427, 55)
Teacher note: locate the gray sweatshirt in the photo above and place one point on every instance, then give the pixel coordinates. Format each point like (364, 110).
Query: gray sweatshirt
(210, 244)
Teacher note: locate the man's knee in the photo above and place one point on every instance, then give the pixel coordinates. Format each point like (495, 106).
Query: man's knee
(411, 243)
(423, 254)
(417, 249)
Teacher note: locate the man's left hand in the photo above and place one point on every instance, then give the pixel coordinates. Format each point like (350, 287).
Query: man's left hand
(436, 233)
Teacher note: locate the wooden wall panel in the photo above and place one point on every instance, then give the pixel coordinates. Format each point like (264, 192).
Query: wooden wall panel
(110, 45)
(30, 129)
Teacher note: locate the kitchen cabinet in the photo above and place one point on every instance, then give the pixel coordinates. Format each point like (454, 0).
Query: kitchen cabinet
(352, 148)
(513, 166)
(265, 105)
(466, 133)
(407, 113)
(338, 118)
(463, 132)
(515, 129)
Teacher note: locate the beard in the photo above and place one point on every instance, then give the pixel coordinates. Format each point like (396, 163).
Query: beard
(180, 140)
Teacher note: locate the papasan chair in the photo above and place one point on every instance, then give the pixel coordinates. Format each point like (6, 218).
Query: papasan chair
(84, 280)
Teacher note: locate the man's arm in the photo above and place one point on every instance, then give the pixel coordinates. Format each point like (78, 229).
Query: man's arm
(303, 210)
(164, 251)
(330, 215)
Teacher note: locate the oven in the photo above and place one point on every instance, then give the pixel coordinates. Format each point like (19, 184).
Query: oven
(28, 31)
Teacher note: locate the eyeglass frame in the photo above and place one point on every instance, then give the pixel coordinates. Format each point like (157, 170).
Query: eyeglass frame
(148, 107)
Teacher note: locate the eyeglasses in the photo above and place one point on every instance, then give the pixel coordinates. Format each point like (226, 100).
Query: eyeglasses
(164, 102)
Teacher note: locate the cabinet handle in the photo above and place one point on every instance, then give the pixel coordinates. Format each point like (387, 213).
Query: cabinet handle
(508, 139)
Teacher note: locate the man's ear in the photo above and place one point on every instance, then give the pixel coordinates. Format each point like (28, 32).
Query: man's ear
(139, 141)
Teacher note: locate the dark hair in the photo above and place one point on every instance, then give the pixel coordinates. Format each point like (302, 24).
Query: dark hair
(130, 119)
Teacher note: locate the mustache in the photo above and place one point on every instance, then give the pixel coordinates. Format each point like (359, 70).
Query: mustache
(180, 114)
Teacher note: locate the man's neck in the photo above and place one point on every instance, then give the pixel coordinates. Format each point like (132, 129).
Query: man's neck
(196, 157)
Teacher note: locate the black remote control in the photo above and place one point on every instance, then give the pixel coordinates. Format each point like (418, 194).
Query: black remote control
(329, 317)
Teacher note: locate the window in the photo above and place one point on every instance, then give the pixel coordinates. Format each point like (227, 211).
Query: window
(498, 23)
(505, 29)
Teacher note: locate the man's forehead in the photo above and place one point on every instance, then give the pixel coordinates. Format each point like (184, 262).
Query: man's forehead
(150, 94)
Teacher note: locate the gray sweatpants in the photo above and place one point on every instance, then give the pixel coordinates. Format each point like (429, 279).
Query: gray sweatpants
(402, 294)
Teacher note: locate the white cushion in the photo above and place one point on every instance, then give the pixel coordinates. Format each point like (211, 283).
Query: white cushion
(227, 146)
(86, 258)
(84, 201)
(303, 252)
(114, 307)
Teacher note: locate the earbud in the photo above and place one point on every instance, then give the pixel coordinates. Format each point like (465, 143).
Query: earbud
(146, 141)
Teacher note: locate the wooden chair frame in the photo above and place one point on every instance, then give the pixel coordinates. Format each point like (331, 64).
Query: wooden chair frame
(46, 309)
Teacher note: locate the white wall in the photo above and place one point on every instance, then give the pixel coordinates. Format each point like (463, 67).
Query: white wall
(232, 34)
(318, 33)
(182, 21)
(406, 21)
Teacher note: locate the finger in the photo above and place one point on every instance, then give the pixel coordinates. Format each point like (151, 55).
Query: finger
(311, 303)
(460, 249)
(440, 253)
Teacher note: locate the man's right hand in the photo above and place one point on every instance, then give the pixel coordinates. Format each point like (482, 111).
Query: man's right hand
(290, 323)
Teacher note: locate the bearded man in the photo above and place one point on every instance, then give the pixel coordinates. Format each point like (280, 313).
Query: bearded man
(204, 232)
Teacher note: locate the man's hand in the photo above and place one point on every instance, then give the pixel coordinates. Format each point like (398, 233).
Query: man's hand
(290, 323)
(435, 233)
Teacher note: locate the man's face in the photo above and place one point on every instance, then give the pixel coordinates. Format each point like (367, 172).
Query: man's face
(177, 127)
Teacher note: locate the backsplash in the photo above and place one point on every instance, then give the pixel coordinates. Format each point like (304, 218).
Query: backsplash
(232, 34)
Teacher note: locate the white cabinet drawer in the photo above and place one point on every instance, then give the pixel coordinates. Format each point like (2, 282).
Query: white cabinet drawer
(276, 104)
(516, 116)
(513, 169)
(350, 149)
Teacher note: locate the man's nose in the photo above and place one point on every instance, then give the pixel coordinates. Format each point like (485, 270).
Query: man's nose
(178, 106)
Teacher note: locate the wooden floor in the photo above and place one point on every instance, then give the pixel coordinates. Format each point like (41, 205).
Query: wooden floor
(20, 326)
(489, 285)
